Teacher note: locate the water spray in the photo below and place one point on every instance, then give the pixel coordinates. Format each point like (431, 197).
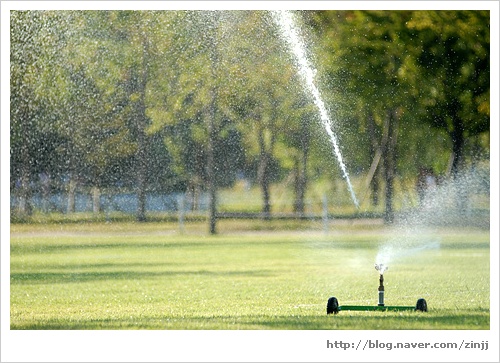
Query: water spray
(289, 32)
(333, 306)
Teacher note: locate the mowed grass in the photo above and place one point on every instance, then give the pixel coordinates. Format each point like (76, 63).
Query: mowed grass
(150, 276)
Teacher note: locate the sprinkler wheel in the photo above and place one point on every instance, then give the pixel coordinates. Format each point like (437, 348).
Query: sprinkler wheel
(332, 307)
(421, 305)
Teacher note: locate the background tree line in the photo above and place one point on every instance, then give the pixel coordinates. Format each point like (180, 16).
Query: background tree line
(191, 100)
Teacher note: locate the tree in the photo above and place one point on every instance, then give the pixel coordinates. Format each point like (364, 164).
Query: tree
(190, 102)
(96, 103)
(120, 54)
(373, 67)
(299, 139)
(452, 50)
(33, 49)
(269, 104)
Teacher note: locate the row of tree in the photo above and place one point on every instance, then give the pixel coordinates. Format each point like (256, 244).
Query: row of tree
(189, 100)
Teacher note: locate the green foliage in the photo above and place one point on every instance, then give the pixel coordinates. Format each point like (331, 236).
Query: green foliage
(433, 66)
(106, 94)
(453, 60)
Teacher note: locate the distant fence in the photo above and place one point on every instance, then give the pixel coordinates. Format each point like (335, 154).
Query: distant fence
(439, 207)
(182, 204)
(114, 202)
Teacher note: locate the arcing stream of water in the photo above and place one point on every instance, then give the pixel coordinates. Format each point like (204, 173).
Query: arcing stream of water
(286, 24)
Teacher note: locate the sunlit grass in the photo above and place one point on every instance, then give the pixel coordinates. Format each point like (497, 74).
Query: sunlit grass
(149, 276)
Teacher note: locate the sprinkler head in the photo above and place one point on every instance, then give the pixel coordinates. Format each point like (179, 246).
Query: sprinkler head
(380, 267)
(381, 280)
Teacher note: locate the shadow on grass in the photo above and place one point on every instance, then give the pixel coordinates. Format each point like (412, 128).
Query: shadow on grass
(75, 277)
(471, 320)
(78, 245)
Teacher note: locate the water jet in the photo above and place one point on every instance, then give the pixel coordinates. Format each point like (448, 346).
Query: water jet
(286, 23)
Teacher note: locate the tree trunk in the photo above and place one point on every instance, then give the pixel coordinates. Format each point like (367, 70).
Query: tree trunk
(266, 209)
(264, 185)
(390, 165)
(71, 194)
(301, 171)
(141, 189)
(375, 187)
(377, 150)
(96, 199)
(45, 189)
(141, 164)
(212, 129)
(264, 177)
(141, 120)
(374, 145)
(300, 184)
(24, 206)
(212, 187)
(458, 141)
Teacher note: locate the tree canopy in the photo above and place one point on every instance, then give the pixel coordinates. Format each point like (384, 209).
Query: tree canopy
(192, 100)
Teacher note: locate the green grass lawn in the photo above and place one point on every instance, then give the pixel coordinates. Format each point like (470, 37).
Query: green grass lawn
(149, 276)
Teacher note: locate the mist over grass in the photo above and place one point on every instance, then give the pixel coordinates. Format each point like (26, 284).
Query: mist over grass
(444, 204)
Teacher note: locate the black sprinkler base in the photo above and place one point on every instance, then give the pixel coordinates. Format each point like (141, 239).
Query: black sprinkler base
(333, 307)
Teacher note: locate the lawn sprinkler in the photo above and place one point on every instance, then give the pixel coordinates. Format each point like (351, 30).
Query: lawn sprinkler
(333, 306)
(381, 268)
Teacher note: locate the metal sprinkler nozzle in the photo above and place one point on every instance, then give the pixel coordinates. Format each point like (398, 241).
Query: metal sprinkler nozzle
(381, 291)
(381, 268)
